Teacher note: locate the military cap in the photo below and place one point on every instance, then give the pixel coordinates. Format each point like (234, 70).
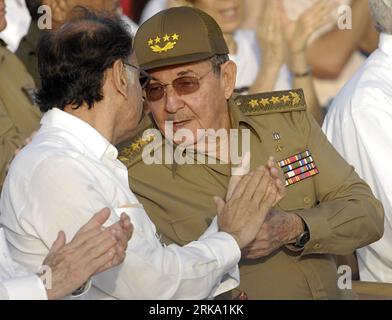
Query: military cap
(178, 35)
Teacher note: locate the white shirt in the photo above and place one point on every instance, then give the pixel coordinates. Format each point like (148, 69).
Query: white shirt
(67, 173)
(16, 283)
(359, 126)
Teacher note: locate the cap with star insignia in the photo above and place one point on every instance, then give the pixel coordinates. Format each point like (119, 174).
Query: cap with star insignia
(178, 35)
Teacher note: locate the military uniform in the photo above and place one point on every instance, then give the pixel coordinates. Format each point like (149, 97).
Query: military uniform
(27, 51)
(336, 205)
(18, 116)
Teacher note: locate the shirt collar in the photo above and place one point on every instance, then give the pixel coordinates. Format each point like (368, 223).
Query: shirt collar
(385, 44)
(83, 133)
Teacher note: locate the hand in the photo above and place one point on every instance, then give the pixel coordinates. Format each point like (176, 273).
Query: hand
(271, 37)
(279, 228)
(297, 33)
(277, 174)
(245, 211)
(93, 249)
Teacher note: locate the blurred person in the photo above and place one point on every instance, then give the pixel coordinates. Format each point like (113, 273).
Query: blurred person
(18, 23)
(60, 10)
(68, 267)
(19, 117)
(327, 208)
(71, 168)
(261, 57)
(336, 54)
(358, 125)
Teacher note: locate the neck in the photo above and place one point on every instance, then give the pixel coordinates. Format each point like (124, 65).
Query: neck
(100, 121)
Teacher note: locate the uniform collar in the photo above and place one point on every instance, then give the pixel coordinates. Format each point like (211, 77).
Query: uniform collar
(85, 136)
(385, 44)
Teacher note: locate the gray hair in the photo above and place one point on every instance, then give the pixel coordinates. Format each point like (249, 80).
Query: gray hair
(382, 15)
(217, 61)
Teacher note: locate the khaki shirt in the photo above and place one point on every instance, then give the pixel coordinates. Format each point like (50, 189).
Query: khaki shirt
(338, 207)
(18, 116)
(27, 51)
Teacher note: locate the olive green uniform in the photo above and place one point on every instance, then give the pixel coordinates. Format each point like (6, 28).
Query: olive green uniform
(18, 116)
(27, 51)
(337, 206)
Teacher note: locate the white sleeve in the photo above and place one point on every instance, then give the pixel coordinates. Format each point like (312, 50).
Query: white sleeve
(15, 282)
(150, 270)
(29, 287)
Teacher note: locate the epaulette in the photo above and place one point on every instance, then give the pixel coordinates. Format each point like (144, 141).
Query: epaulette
(131, 150)
(271, 102)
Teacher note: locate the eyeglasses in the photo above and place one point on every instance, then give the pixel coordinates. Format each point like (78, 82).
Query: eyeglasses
(144, 77)
(182, 85)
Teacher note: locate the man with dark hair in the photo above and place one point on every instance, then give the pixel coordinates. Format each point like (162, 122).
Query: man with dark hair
(64, 260)
(92, 99)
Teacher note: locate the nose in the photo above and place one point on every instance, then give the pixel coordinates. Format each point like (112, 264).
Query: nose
(174, 101)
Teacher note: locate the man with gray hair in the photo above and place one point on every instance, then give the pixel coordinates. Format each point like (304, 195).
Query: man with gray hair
(359, 126)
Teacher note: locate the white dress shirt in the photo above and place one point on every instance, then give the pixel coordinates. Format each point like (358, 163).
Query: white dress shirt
(70, 171)
(359, 126)
(16, 283)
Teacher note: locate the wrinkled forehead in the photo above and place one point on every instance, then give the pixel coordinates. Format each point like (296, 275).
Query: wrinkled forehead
(178, 70)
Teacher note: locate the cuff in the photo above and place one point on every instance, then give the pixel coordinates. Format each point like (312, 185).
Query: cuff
(319, 229)
(228, 253)
(25, 288)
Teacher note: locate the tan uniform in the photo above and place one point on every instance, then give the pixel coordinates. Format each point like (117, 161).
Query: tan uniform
(27, 51)
(337, 206)
(18, 116)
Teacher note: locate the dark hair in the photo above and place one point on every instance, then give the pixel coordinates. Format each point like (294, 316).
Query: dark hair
(72, 60)
(32, 6)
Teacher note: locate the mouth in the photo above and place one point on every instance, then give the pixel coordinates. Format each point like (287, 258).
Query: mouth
(229, 13)
(180, 124)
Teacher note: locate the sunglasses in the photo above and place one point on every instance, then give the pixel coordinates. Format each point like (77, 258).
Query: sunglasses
(182, 85)
(144, 77)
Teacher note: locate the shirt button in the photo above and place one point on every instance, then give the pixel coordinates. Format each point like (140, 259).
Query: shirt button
(317, 246)
(307, 200)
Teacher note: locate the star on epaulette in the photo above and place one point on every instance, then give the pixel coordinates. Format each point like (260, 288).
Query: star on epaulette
(253, 103)
(271, 102)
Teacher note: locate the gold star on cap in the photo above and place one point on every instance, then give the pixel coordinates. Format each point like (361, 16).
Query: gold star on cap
(150, 42)
(175, 36)
(166, 38)
(157, 40)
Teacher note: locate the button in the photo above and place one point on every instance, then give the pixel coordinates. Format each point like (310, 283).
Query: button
(307, 200)
(317, 246)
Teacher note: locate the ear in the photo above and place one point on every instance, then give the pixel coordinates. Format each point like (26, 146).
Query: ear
(228, 77)
(120, 77)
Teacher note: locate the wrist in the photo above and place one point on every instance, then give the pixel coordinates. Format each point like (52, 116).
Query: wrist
(298, 227)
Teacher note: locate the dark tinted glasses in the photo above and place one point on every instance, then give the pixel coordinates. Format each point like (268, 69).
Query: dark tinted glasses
(182, 85)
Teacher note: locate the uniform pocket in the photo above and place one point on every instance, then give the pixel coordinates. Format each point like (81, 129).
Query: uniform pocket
(190, 228)
(300, 195)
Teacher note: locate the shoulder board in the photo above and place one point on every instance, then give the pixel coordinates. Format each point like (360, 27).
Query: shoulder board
(271, 102)
(131, 150)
